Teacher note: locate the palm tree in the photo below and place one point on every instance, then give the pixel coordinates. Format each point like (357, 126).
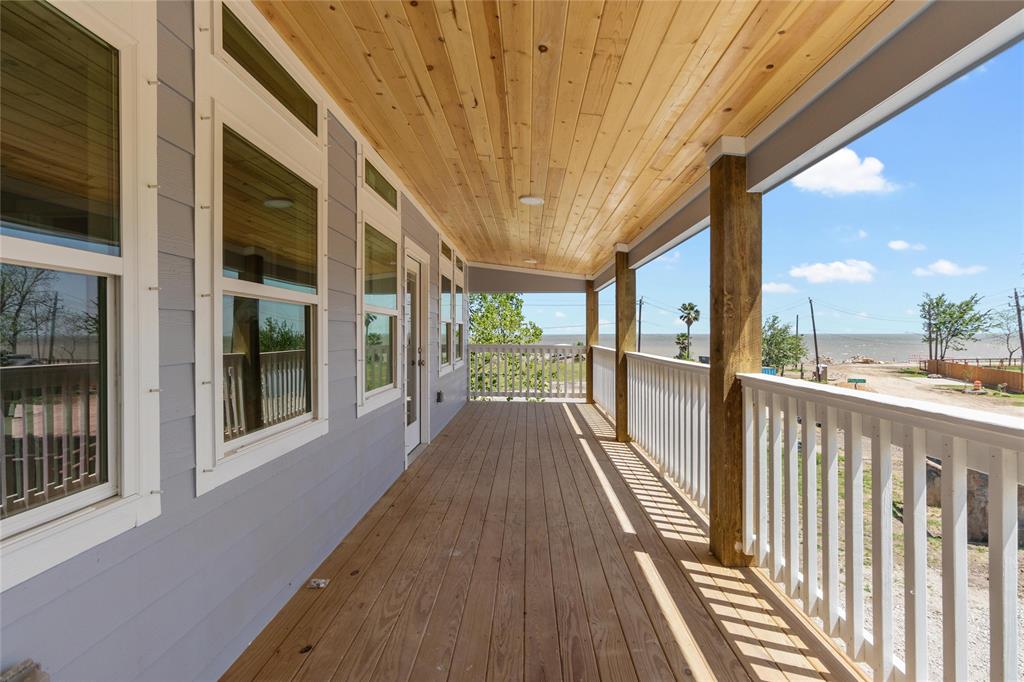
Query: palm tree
(689, 313)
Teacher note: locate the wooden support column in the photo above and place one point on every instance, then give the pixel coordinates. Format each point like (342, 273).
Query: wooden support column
(735, 344)
(592, 337)
(625, 339)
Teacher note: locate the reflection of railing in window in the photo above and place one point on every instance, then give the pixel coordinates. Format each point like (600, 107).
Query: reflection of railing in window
(378, 366)
(51, 433)
(283, 395)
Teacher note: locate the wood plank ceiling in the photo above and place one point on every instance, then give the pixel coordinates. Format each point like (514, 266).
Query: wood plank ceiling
(602, 108)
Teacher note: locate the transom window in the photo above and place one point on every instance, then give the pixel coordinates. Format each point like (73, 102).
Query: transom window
(379, 184)
(247, 50)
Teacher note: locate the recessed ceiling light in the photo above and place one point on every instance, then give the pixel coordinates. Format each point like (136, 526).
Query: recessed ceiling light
(278, 202)
(531, 261)
(531, 200)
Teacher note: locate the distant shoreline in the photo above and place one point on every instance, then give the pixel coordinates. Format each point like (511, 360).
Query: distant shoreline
(832, 348)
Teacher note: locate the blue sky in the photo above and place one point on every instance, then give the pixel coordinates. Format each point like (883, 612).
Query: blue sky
(932, 200)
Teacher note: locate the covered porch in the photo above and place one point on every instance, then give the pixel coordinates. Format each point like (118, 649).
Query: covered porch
(526, 543)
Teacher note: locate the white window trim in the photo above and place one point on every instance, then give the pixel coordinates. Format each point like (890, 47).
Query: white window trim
(131, 29)
(228, 95)
(388, 221)
(445, 267)
(459, 280)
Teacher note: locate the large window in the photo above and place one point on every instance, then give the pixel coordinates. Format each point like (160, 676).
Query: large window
(260, 274)
(445, 316)
(269, 269)
(78, 301)
(380, 309)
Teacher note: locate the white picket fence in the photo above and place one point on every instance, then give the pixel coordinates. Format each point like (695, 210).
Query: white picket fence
(282, 395)
(789, 426)
(604, 379)
(527, 371)
(668, 418)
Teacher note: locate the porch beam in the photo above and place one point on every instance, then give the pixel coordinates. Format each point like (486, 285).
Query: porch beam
(592, 338)
(625, 338)
(735, 342)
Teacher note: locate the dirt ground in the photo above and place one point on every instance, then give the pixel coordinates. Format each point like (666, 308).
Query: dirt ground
(888, 380)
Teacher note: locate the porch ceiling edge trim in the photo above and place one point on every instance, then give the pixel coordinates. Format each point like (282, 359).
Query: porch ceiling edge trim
(494, 279)
(868, 82)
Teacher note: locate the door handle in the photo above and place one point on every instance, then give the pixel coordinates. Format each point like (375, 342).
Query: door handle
(421, 363)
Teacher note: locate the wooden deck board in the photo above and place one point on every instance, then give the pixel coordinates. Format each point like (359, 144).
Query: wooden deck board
(526, 544)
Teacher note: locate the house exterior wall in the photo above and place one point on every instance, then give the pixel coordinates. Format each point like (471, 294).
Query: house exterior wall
(181, 596)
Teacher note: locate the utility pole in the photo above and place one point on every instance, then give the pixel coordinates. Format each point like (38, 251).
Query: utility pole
(1020, 327)
(640, 325)
(53, 327)
(814, 330)
(798, 336)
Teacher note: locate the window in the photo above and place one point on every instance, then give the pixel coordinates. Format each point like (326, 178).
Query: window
(445, 341)
(269, 271)
(78, 303)
(244, 48)
(379, 184)
(380, 310)
(459, 325)
(261, 272)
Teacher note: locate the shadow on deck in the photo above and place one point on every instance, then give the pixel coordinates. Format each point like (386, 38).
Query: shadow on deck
(527, 543)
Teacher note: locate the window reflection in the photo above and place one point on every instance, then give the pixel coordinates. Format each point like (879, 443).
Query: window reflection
(59, 127)
(266, 364)
(53, 385)
(379, 339)
(269, 219)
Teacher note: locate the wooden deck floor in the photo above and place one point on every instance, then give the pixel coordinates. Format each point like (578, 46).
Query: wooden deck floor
(526, 544)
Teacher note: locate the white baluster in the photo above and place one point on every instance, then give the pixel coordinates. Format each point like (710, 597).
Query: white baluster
(954, 560)
(1002, 567)
(915, 550)
(881, 550)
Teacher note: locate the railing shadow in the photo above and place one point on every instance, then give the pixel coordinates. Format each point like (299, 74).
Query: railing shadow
(768, 634)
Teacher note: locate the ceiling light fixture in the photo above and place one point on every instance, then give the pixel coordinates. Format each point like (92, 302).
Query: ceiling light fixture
(531, 261)
(278, 202)
(531, 200)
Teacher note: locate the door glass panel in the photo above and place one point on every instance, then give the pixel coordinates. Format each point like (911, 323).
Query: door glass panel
(266, 364)
(269, 217)
(411, 346)
(59, 127)
(53, 335)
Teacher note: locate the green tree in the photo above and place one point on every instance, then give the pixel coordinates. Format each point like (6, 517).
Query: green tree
(683, 342)
(780, 347)
(949, 325)
(276, 335)
(689, 313)
(499, 318)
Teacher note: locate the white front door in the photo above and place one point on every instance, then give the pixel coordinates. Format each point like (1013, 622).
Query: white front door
(415, 358)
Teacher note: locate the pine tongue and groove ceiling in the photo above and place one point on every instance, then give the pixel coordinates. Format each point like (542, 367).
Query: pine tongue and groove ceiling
(604, 109)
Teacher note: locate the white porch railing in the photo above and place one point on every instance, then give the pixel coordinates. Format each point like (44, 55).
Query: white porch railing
(668, 418)
(604, 379)
(527, 371)
(283, 394)
(788, 421)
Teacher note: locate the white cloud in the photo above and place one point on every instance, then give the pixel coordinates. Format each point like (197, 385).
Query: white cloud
(844, 172)
(901, 245)
(778, 288)
(850, 270)
(862, 234)
(948, 268)
(559, 314)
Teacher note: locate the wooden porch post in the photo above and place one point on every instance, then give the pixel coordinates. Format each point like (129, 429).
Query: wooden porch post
(625, 339)
(735, 344)
(592, 337)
